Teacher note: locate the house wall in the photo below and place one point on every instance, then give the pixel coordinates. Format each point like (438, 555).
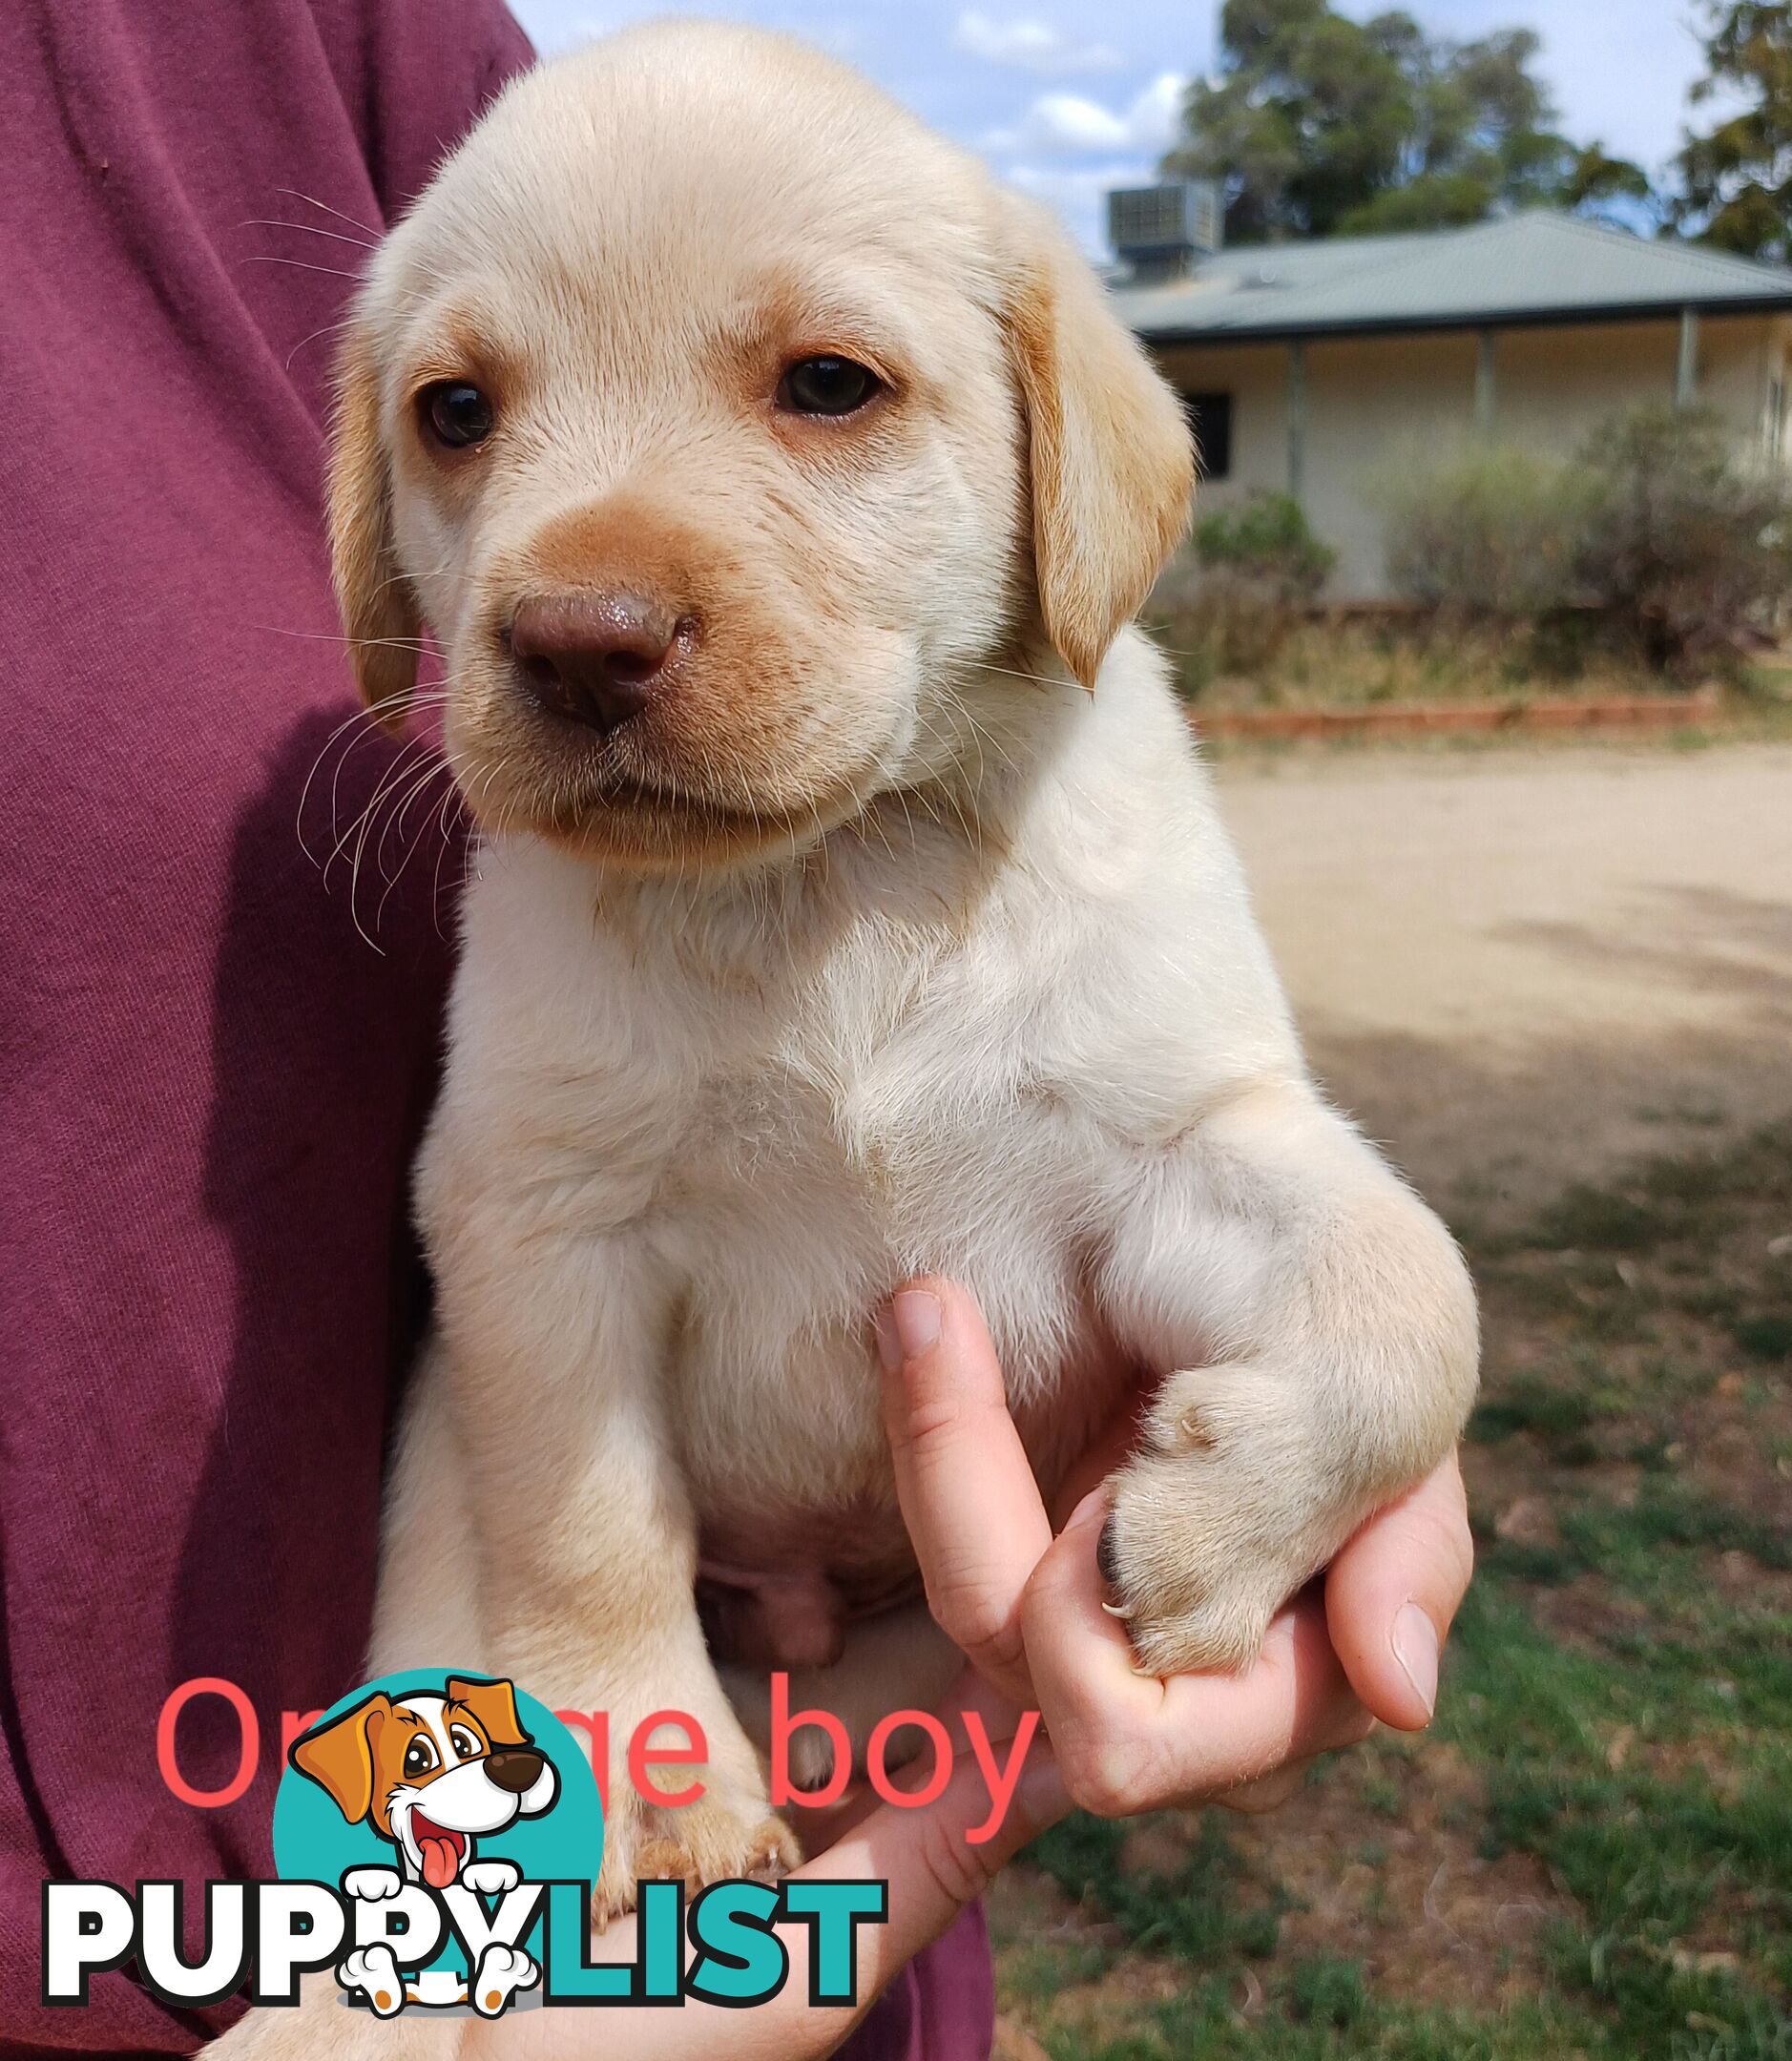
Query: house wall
(1379, 408)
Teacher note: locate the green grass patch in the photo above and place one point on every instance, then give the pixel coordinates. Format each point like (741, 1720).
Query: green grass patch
(1202, 1911)
(1615, 1707)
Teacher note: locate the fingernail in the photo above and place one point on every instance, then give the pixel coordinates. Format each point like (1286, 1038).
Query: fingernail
(1415, 1648)
(1085, 1511)
(917, 1316)
(889, 1347)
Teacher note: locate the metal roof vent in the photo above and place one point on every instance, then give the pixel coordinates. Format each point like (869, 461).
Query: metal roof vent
(1160, 231)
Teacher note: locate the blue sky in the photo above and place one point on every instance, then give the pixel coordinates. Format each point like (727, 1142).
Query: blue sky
(1068, 98)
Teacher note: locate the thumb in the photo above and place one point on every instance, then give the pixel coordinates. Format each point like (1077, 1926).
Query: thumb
(1392, 1593)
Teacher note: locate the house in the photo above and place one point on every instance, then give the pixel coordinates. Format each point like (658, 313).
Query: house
(1330, 369)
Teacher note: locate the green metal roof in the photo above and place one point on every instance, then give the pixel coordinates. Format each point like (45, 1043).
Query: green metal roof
(1534, 267)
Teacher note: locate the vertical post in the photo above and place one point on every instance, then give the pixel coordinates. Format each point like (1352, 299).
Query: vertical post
(1686, 378)
(1297, 418)
(1485, 391)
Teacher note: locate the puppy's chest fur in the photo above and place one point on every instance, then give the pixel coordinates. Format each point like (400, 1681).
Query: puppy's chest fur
(754, 1122)
(895, 1127)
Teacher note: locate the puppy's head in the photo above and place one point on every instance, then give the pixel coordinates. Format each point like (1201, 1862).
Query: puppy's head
(429, 1770)
(717, 418)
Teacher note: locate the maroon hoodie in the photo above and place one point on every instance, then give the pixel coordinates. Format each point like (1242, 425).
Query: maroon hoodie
(210, 1081)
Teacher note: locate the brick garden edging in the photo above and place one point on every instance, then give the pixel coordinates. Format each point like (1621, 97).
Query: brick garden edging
(1399, 718)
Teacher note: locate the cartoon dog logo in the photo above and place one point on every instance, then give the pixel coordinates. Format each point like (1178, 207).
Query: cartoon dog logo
(433, 1771)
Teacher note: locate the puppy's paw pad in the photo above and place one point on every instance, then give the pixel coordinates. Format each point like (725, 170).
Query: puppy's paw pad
(372, 1972)
(491, 1878)
(371, 1885)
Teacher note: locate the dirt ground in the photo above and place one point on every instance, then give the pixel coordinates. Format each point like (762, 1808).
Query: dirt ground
(1521, 969)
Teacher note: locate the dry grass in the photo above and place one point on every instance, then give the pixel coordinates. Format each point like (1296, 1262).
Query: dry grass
(1240, 652)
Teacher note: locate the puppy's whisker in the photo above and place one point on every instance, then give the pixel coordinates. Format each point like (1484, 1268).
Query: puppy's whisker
(336, 236)
(410, 850)
(368, 816)
(336, 637)
(1039, 680)
(399, 769)
(328, 329)
(300, 265)
(395, 818)
(369, 720)
(292, 193)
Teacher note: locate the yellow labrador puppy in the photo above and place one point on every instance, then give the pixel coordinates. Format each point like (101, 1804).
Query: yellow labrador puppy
(850, 902)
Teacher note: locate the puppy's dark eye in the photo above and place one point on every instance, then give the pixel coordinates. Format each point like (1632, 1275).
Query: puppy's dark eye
(826, 387)
(419, 1757)
(456, 414)
(464, 1743)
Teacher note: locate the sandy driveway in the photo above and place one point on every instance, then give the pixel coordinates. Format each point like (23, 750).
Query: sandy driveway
(1520, 967)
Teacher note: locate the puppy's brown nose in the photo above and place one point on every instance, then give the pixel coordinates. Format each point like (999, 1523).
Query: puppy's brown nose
(514, 1768)
(596, 657)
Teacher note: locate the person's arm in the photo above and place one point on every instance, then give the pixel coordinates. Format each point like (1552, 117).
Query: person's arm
(1027, 1608)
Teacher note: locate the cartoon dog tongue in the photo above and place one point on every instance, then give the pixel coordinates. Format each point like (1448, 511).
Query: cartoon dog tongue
(440, 1850)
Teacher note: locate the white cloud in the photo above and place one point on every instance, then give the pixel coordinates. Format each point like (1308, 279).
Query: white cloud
(1074, 125)
(1156, 116)
(1068, 122)
(1032, 44)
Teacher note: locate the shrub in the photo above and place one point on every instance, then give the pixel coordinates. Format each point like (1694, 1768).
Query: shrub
(1657, 537)
(1688, 548)
(1268, 539)
(1233, 599)
(1491, 531)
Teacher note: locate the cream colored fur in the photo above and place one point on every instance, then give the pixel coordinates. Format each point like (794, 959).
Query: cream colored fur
(939, 961)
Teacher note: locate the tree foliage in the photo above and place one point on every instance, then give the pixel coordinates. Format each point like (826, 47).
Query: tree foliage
(1318, 125)
(1737, 180)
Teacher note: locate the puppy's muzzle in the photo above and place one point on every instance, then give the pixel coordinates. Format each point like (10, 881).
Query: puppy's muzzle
(516, 1770)
(599, 656)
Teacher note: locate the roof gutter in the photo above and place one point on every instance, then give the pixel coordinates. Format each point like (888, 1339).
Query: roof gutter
(1563, 318)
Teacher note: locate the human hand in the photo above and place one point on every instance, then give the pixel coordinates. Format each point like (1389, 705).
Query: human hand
(1025, 1607)
(1028, 1608)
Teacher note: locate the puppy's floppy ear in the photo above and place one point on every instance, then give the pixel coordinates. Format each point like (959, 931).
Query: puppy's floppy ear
(1108, 453)
(378, 606)
(339, 1756)
(494, 1704)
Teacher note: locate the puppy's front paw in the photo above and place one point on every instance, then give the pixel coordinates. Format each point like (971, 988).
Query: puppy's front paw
(701, 1842)
(1215, 1521)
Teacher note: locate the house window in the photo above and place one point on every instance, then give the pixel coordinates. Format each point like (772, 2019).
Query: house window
(1210, 417)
